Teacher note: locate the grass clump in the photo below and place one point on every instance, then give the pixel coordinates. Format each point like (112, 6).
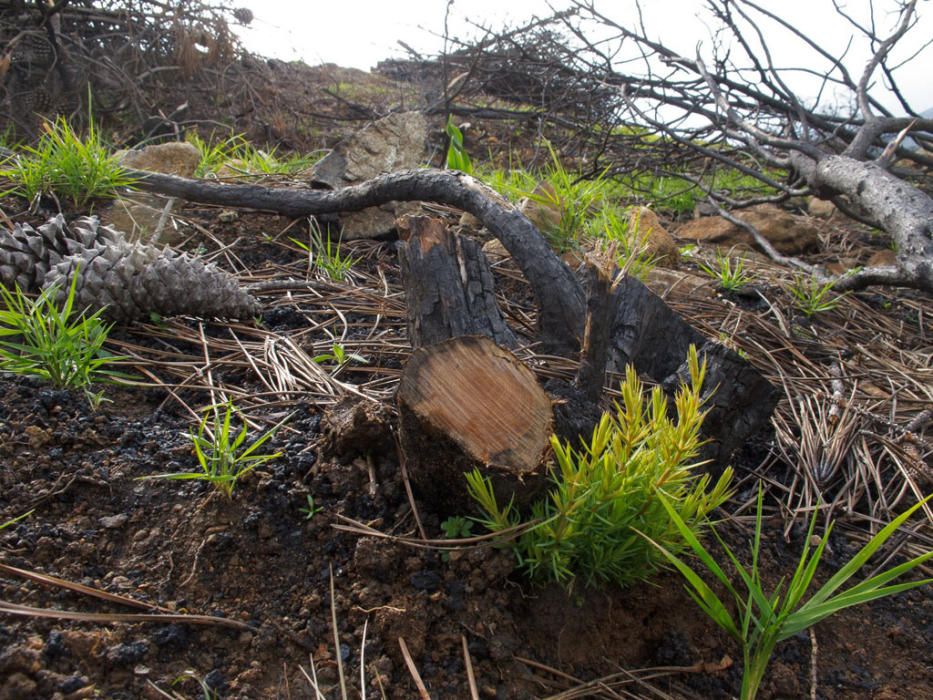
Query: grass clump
(239, 155)
(324, 256)
(49, 340)
(66, 165)
(608, 491)
(762, 620)
(627, 242)
(222, 452)
(730, 276)
(812, 296)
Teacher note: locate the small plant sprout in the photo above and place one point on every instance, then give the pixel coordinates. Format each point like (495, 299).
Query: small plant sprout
(222, 452)
(457, 157)
(761, 620)
(457, 527)
(339, 356)
(13, 521)
(608, 489)
(324, 256)
(311, 509)
(730, 275)
(46, 338)
(812, 296)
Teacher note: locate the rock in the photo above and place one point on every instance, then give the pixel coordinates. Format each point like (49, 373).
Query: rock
(789, 234)
(665, 282)
(820, 208)
(112, 522)
(396, 142)
(660, 245)
(139, 215)
(175, 158)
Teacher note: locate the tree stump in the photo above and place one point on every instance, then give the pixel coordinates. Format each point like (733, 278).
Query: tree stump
(466, 403)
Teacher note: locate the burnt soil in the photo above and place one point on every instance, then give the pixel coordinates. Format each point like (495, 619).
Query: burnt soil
(261, 567)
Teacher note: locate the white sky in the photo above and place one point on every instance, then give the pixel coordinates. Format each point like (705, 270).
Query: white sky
(359, 33)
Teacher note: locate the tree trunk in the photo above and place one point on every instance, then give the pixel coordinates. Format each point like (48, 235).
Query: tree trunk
(466, 402)
(449, 288)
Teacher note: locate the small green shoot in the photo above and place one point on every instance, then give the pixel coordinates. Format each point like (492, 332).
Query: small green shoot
(730, 275)
(457, 527)
(47, 339)
(66, 165)
(628, 243)
(339, 356)
(13, 521)
(237, 155)
(457, 157)
(608, 489)
(324, 256)
(763, 620)
(222, 453)
(311, 509)
(812, 296)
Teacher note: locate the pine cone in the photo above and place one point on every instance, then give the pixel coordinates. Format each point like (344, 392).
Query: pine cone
(27, 254)
(131, 280)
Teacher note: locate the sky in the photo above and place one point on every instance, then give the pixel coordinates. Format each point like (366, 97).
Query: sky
(360, 33)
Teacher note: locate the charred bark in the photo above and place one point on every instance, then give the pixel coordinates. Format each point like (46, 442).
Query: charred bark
(449, 288)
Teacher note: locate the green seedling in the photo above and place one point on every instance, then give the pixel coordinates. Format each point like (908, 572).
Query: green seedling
(608, 489)
(239, 156)
(222, 453)
(812, 296)
(13, 521)
(761, 620)
(311, 509)
(728, 273)
(456, 527)
(457, 157)
(338, 355)
(629, 242)
(324, 256)
(66, 165)
(46, 338)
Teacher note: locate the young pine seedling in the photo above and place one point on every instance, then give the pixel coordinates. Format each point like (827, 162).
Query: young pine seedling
(811, 296)
(761, 620)
(47, 339)
(222, 452)
(609, 488)
(731, 277)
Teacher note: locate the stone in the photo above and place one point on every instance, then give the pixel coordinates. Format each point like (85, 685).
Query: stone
(820, 208)
(395, 142)
(665, 282)
(789, 234)
(175, 158)
(140, 214)
(660, 245)
(495, 250)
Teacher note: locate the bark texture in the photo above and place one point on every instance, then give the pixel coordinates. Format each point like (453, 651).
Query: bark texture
(899, 208)
(449, 287)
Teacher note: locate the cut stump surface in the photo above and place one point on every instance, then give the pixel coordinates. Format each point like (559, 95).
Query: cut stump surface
(468, 403)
